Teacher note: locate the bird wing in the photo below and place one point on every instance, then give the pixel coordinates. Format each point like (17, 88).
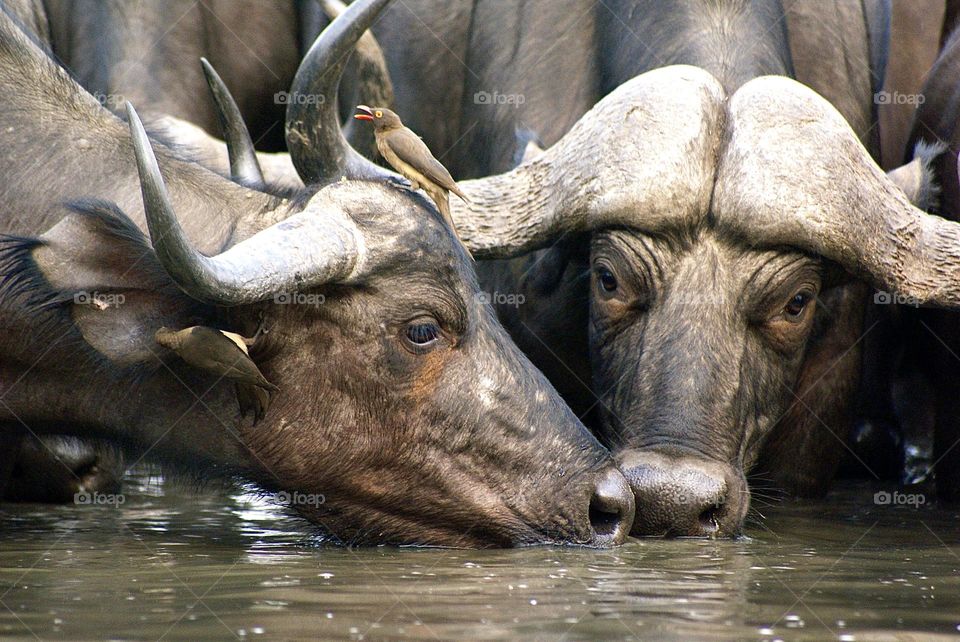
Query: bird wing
(414, 152)
(237, 339)
(213, 350)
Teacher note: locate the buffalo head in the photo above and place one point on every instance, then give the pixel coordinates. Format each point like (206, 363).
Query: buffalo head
(401, 402)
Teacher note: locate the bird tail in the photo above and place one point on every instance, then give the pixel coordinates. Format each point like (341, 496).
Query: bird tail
(252, 400)
(263, 383)
(443, 204)
(456, 190)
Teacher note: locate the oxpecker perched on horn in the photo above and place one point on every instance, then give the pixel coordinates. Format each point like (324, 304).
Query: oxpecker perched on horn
(410, 156)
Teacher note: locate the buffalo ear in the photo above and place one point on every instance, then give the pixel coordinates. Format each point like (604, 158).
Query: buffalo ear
(917, 178)
(109, 280)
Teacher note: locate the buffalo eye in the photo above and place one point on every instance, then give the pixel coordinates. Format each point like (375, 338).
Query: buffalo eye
(797, 305)
(422, 335)
(606, 279)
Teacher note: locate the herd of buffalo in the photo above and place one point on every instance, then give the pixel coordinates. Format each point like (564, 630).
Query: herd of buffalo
(682, 273)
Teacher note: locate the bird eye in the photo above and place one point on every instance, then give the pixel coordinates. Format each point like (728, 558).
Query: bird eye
(606, 279)
(378, 114)
(797, 305)
(422, 335)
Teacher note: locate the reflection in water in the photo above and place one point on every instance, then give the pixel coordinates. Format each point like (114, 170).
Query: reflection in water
(175, 565)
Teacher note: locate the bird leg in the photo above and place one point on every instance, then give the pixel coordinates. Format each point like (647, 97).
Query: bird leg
(442, 200)
(261, 330)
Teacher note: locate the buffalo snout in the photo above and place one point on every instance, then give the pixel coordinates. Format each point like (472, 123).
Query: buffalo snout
(684, 495)
(612, 508)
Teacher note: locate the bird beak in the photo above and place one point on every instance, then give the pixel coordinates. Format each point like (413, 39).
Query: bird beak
(368, 115)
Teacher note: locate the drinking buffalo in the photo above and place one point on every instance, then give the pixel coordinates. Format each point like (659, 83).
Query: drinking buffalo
(402, 403)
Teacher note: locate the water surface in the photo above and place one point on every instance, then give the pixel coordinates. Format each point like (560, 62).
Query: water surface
(173, 565)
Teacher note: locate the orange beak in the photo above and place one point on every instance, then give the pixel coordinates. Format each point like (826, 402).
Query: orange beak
(367, 115)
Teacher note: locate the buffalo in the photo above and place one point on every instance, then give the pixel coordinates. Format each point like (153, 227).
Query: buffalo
(404, 413)
(702, 352)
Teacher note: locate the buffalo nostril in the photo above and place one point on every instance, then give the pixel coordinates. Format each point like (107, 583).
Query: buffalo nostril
(710, 519)
(604, 523)
(611, 508)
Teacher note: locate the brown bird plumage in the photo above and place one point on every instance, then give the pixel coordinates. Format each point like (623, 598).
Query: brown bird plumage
(224, 354)
(411, 157)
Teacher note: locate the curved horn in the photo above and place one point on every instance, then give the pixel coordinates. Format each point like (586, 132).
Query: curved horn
(317, 146)
(374, 86)
(303, 251)
(644, 156)
(794, 174)
(244, 167)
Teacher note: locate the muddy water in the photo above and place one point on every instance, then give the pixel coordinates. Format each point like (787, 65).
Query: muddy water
(173, 565)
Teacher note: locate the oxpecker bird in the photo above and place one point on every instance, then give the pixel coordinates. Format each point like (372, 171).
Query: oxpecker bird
(411, 157)
(225, 354)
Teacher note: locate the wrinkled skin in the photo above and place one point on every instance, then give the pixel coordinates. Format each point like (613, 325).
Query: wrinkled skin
(460, 442)
(432, 448)
(461, 490)
(718, 337)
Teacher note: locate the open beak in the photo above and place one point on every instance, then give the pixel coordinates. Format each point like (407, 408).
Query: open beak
(367, 115)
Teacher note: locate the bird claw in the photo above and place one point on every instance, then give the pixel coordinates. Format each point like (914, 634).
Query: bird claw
(252, 400)
(403, 183)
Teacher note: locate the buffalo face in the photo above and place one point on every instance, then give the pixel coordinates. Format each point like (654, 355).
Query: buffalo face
(697, 346)
(404, 403)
